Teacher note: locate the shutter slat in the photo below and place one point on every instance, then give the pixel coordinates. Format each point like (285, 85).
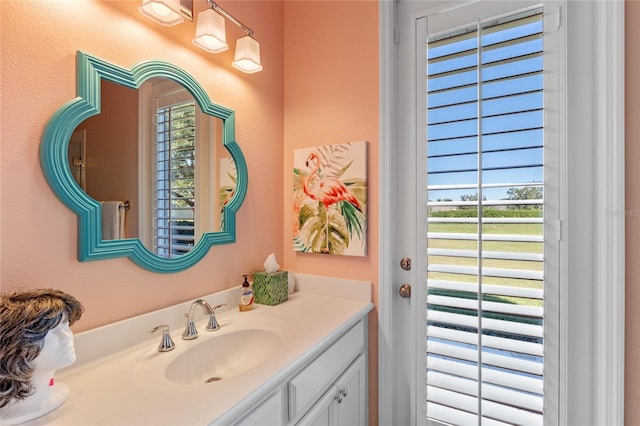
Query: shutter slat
(513, 398)
(503, 308)
(534, 257)
(501, 343)
(488, 323)
(461, 402)
(453, 319)
(499, 290)
(512, 220)
(485, 237)
(515, 381)
(485, 202)
(450, 415)
(464, 352)
(511, 415)
(452, 368)
(487, 272)
(455, 383)
(485, 186)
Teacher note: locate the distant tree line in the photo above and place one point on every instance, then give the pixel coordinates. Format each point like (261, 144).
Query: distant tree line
(487, 212)
(516, 210)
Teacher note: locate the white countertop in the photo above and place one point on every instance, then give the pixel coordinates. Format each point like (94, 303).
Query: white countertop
(104, 391)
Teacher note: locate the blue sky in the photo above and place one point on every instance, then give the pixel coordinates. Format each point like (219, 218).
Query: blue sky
(511, 126)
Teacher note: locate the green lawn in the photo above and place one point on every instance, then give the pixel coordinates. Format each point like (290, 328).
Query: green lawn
(500, 246)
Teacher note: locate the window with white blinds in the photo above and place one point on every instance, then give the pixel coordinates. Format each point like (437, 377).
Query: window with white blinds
(174, 192)
(485, 268)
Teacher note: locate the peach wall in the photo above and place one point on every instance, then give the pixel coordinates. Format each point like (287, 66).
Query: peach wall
(38, 233)
(632, 153)
(331, 96)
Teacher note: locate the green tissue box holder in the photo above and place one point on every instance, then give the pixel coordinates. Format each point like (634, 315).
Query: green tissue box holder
(271, 288)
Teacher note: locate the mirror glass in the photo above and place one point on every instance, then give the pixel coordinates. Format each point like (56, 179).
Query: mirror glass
(161, 162)
(148, 163)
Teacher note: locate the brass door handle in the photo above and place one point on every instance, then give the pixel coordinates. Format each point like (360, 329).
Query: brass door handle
(405, 291)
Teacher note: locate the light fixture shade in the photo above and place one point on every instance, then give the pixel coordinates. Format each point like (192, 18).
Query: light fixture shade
(210, 33)
(164, 12)
(247, 57)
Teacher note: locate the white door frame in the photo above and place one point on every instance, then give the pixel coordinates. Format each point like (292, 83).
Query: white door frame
(603, 193)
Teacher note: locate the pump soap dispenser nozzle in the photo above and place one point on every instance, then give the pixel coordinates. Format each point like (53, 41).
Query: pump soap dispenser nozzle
(246, 296)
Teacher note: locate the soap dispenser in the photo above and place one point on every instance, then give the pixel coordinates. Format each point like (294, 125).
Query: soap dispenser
(246, 296)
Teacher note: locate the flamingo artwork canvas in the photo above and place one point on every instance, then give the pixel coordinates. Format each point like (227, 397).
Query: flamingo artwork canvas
(330, 199)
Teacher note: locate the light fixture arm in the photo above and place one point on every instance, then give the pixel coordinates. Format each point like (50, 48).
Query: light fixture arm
(230, 17)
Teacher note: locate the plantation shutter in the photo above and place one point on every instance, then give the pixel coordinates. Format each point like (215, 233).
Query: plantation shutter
(174, 186)
(485, 268)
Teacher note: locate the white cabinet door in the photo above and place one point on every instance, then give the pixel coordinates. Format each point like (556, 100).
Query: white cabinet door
(351, 394)
(317, 378)
(344, 404)
(322, 412)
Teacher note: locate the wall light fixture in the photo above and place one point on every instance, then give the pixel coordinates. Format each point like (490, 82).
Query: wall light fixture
(247, 57)
(164, 12)
(210, 31)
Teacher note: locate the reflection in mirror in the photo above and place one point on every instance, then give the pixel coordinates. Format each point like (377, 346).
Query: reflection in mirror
(155, 148)
(149, 138)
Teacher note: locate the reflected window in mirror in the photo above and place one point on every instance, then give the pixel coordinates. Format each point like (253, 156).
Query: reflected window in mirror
(179, 151)
(175, 168)
(174, 195)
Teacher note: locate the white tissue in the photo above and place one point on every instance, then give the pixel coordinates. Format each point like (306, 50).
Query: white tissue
(270, 265)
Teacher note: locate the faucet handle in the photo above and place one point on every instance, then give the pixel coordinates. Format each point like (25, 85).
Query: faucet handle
(190, 332)
(166, 344)
(213, 322)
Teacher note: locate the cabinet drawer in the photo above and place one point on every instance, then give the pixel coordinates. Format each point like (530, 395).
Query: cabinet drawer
(309, 385)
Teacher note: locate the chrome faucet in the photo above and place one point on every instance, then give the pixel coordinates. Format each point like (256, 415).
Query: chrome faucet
(166, 343)
(190, 331)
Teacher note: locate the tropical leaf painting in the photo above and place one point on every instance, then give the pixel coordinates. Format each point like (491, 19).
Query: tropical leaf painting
(330, 199)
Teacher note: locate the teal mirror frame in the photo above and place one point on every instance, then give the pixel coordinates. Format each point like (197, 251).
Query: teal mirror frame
(53, 158)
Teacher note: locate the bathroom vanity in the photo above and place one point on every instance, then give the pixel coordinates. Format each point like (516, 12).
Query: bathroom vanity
(330, 389)
(303, 361)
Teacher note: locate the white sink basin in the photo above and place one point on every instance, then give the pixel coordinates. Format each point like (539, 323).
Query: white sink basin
(214, 357)
(223, 356)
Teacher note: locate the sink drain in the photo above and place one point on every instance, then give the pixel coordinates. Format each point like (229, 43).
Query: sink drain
(213, 379)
